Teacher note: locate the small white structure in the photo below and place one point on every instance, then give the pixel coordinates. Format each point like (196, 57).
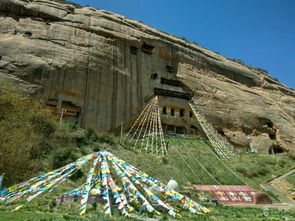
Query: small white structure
(173, 185)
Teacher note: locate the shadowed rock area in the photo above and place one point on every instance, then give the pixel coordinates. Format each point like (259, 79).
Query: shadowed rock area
(103, 63)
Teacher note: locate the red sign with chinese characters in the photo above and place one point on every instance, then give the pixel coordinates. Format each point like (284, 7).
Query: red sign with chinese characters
(230, 194)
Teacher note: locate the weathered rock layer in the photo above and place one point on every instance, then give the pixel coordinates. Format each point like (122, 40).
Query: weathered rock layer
(97, 60)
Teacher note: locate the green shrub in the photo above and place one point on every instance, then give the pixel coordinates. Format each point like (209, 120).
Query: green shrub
(106, 138)
(71, 126)
(104, 146)
(63, 156)
(63, 136)
(43, 125)
(77, 175)
(96, 146)
(91, 135)
(25, 125)
(86, 149)
(41, 150)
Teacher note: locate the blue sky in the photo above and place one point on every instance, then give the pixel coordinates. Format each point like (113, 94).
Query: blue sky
(259, 32)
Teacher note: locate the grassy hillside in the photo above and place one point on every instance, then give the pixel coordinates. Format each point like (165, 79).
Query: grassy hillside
(180, 164)
(45, 209)
(186, 154)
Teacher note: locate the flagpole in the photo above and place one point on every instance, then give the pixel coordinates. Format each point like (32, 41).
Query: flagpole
(61, 116)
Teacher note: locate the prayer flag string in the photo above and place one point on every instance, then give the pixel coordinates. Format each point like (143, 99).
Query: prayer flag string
(221, 146)
(147, 132)
(119, 185)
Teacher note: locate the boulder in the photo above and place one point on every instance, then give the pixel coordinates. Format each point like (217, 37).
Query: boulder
(261, 143)
(262, 198)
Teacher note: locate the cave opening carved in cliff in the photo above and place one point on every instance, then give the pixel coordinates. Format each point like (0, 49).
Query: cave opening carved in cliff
(63, 109)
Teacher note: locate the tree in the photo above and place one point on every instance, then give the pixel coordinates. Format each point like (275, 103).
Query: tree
(24, 126)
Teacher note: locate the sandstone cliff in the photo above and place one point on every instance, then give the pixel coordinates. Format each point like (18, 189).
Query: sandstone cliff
(102, 62)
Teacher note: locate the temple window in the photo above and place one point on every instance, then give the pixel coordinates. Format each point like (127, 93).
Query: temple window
(181, 113)
(170, 68)
(154, 76)
(171, 82)
(164, 111)
(133, 49)
(172, 111)
(169, 93)
(147, 48)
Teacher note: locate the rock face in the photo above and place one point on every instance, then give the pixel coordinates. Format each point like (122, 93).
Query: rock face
(103, 63)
